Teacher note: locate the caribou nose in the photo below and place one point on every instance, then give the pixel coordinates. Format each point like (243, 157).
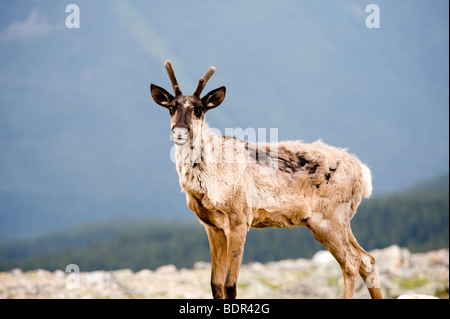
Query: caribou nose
(180, 135)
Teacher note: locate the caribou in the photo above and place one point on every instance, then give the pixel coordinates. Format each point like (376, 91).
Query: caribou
(233, 184)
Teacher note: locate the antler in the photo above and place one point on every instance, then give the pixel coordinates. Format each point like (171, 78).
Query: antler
(172, 77)
(202, 82)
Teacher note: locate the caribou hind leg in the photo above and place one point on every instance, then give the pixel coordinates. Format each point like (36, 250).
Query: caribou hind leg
(367, 269)
(334, 237)
(352, 258)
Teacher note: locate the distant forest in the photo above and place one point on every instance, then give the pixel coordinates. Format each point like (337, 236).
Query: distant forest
(417, 219)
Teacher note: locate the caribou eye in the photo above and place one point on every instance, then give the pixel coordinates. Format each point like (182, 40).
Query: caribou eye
(198, 112)
(171, 109)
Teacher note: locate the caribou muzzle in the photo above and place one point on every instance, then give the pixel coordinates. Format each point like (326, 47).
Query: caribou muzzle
(180, 135)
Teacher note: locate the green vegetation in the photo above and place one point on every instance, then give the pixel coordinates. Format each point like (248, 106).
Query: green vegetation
(417, 219)
(413, 282)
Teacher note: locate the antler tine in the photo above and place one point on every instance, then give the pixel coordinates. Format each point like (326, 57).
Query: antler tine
(173, 79)
(202, 82)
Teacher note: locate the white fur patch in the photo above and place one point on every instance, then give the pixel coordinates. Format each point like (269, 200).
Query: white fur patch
(318, 220)
(367, 181)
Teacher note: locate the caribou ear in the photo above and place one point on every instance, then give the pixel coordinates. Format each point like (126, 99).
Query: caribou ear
(160, 96)
(214, 98)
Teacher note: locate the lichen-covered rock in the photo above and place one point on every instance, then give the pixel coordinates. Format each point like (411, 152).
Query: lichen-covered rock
(402, 275)
(417, 296)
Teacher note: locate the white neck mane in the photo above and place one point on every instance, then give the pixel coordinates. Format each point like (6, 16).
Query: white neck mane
(194, 156)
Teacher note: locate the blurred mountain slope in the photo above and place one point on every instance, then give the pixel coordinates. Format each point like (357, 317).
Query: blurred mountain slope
(81, 140)
(418, 221)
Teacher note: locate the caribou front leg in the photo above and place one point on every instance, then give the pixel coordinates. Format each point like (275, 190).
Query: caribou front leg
(236, 241)
(218, 246)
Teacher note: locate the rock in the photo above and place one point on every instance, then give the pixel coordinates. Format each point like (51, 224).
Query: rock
(293, 264)
(321, 258)
(123, 273)
(16, 272)
(166, 269)
(392, 260)
(417, 296)
(255, 267)
(96, 278)
(202, 265)
(42, 273)
(59, 273)
(144, 273)
(402, 275)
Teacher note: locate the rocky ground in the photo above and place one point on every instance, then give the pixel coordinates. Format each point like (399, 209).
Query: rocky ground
(401, 273)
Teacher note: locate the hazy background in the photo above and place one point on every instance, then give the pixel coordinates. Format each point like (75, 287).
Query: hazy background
(81, 140)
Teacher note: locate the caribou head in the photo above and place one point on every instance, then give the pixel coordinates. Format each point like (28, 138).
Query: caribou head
(186, 110)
